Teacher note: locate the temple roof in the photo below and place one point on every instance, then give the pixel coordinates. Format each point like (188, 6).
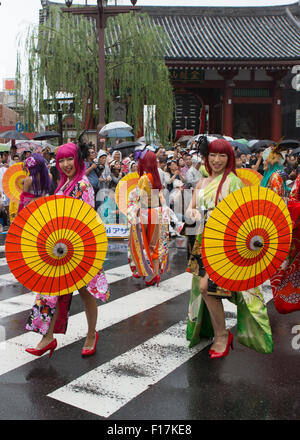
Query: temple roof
(225, 34)
(228, 33)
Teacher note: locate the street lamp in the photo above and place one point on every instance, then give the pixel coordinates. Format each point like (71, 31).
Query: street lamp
(101, 12)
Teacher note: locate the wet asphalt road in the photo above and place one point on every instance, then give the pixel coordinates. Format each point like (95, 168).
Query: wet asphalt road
(244, 386)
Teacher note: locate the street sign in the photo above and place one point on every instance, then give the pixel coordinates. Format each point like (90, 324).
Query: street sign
(298, 118)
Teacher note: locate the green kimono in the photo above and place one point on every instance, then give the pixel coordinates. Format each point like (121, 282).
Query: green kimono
(253, 326)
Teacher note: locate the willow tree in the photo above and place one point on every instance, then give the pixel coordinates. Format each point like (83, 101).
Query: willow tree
(62, 59)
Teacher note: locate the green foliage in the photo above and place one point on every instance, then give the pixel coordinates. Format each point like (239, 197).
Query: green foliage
(63, 60)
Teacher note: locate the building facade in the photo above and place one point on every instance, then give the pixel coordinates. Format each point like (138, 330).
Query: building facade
(234, 70)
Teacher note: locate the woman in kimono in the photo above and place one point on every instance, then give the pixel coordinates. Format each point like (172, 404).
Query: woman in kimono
(274, 176)
(49, 314)
(206, 316)
(148, 238)
(286, 281)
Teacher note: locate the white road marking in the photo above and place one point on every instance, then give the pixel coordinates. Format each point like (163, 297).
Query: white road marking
(23, 302)
(104, 390)
(111, 313)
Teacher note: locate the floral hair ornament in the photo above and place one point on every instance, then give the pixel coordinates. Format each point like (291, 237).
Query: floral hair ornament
(274, 153)
(140, 152)
(30, 162)
(203, 145)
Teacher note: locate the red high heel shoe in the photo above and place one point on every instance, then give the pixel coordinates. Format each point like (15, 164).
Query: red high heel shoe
(154, 280)
(89, 352)
(215, 355)
(39, 351)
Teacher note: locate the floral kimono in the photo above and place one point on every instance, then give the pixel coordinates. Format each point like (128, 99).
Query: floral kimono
(149, 231)
(44, 306)
(286, 281)
(253, 327)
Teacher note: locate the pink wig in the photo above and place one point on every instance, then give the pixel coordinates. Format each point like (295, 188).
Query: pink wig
(69, 150)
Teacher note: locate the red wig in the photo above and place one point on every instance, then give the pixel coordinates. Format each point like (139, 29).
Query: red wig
(223, 147)
(148, 164)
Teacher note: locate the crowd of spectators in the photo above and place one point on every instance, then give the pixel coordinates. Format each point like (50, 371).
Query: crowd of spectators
(180, 168)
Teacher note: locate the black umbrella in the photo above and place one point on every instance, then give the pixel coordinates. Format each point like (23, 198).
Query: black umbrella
(13, 134)
(43, 135)
(289, 143)
(240, 146)
(296, 151)
(126, 145)
(261, 145)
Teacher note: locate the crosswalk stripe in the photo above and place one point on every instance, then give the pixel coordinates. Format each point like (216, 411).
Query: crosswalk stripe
(104, 390)
(23, 302)
(3, 261)
(110, 313)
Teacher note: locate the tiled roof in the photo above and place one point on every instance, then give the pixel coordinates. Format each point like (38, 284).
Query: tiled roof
(228, 33)
(221, 35)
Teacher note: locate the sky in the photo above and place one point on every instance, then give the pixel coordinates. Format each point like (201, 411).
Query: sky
(17, 15)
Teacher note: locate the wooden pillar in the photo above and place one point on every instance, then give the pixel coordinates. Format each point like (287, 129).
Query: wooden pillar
(276, 117)
(227, 117)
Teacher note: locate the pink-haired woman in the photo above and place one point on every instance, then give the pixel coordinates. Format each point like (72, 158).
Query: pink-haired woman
(49, 314)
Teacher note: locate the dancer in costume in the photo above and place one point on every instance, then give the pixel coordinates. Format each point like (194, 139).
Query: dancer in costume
(286, 281)
(49, 314)
(148, 238)
(274, 176)
(206, 316)
(39, 181)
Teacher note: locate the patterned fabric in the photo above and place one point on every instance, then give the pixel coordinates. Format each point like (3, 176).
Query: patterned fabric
(206, 204)
(44, 306)
(253, 326)
(276, 184)
(286, 281)
(253, 323)
(149, 230)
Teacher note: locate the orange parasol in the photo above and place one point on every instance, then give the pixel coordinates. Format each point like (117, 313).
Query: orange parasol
(246, 238)
(56, 245)
(123, 189)
(13, 181)
(249, 177)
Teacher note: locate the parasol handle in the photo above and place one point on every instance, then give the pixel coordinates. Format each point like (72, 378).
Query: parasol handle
(258, 243)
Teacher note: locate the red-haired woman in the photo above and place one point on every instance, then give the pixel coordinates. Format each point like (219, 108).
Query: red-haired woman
(148, 239)
(206, 316)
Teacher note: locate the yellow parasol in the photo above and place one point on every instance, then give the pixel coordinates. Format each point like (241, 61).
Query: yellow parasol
(56, 245)
(123, 189)
(246, 238)
(249, 177)
(13, 181)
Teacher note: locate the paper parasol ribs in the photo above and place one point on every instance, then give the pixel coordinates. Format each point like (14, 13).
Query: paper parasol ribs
(246, 238)
(249, 177)
(123, 189)
(13, 181)
(56, 245)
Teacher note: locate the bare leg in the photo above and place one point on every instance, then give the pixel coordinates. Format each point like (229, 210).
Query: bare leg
(156, 266)
(49, 336)
(91, 311)
(217, 315)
